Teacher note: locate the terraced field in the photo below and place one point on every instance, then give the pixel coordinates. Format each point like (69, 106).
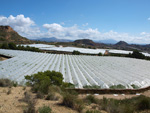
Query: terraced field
(80, 70)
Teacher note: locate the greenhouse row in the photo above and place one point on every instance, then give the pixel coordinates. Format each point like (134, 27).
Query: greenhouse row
(80, 70)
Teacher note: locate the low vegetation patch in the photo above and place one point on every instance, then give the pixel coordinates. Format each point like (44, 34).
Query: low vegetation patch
(13, 46)
(43, 80)
(50, 83)
(119, 86)
(31, 103)
(92, 87)
(137, 104)
(7, 83)
(45, 109)
(90, 99)
(52, 96)
(93, 111)
(72, 101)
(76, 52)
(135, 86)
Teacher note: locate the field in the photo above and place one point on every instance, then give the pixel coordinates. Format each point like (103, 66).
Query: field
(81, 50)
(80, 70)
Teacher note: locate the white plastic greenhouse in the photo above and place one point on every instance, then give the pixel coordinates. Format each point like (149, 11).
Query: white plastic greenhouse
(80, 70)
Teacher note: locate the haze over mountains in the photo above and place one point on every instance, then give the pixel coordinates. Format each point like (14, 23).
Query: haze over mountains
(7, 34)
(54, 39)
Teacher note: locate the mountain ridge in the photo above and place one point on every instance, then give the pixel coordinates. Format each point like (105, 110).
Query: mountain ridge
(52, 39)
(7, 34)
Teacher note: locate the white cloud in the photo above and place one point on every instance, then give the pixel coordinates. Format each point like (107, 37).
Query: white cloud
(56, 30)
(23, 25)
(27, 27)
(19, 20)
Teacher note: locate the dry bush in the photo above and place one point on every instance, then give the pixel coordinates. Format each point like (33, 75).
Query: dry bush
(6, 83)
(40, 95)
(45, 109)
(31, 103)
(90, 99)
(52, 96)
(9, 91)
(70, 100)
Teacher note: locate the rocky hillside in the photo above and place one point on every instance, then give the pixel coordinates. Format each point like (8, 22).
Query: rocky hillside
(89, 43)
(85, 41)
(7, 34)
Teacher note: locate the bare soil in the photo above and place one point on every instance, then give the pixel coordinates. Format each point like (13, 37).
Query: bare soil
(11, 101)
(3, 58)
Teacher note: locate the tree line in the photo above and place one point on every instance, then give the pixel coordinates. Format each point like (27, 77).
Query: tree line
(13, 46)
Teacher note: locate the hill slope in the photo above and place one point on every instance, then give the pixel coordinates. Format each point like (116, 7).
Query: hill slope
(7, 34)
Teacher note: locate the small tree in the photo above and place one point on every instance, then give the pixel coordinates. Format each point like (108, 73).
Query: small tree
(136, 54)
(42, 80)
(100, 54)
(12, 45)
(76, 52)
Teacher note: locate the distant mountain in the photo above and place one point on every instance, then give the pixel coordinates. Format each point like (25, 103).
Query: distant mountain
(85, 41)
(52, 39)
(122, 43)
(107, 41)
(7, 34)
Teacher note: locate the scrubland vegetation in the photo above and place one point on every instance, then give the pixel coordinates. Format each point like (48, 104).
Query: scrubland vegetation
(49, 86)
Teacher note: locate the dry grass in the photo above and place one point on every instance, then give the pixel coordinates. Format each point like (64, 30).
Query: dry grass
(15, 103)
(11, 101)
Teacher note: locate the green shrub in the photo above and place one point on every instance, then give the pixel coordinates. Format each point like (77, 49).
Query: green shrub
(40, 95)
(143, 103)
(6, 83)
(76, 52)
(68, 85)
(131, 105)
(45, 109)
(119, 86)
(54, 89)
(15, 84)
(93, 111)
(104, 103)
(134, 86)
(100, 54)
(52, 96)
(137, 54)
(70, 100)
(92, 87)
(42, 80)
(91, 99)
(126, 108)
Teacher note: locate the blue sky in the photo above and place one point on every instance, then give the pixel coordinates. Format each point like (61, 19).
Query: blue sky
(127, 20)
